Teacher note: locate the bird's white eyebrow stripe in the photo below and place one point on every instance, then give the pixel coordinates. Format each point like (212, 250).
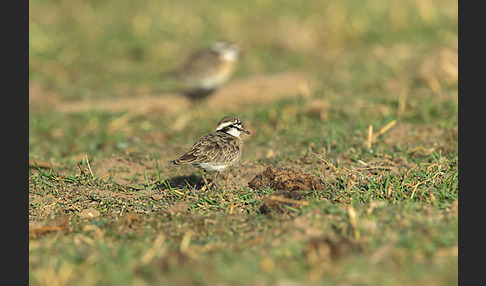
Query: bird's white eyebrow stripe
(222, 126)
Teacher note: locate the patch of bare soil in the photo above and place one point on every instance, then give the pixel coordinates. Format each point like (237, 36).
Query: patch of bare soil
(124, 171)
(236, 94)
(177, 208)
(120, 170)
(38, 229)
(322, 251)
(424, 139)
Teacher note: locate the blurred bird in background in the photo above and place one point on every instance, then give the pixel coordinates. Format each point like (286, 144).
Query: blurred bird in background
(206, 70)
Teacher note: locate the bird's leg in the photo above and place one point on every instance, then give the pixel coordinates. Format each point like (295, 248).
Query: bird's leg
(215, 177)
(205, 180)
(226, 178)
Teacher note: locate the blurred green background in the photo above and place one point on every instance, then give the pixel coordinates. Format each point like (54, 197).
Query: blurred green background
(86, 49)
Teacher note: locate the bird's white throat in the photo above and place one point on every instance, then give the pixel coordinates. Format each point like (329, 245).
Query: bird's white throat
(230, 55)
(232, 131)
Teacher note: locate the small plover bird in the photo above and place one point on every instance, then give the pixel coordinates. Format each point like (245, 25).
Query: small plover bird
(207, 69)
(218, 150)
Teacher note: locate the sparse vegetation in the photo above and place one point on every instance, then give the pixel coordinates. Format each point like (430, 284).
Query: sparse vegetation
(374, 122)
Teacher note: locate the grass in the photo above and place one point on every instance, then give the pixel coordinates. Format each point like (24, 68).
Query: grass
(387, 214)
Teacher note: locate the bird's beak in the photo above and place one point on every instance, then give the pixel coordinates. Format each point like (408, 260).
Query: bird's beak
(244, 130)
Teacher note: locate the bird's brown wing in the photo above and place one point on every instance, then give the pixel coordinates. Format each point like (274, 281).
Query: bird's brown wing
(215, 147)
(200, 64)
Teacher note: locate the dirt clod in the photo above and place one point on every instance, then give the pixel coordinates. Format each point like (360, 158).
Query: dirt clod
(89, 213)
(177, 208)
(279, 201)
(38, 229)
(285, 179)
(322, 250)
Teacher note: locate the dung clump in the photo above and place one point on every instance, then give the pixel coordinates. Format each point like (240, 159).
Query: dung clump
(285, 179)
(281, 202)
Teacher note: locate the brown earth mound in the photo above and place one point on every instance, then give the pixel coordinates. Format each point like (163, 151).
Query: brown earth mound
(285, 179)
